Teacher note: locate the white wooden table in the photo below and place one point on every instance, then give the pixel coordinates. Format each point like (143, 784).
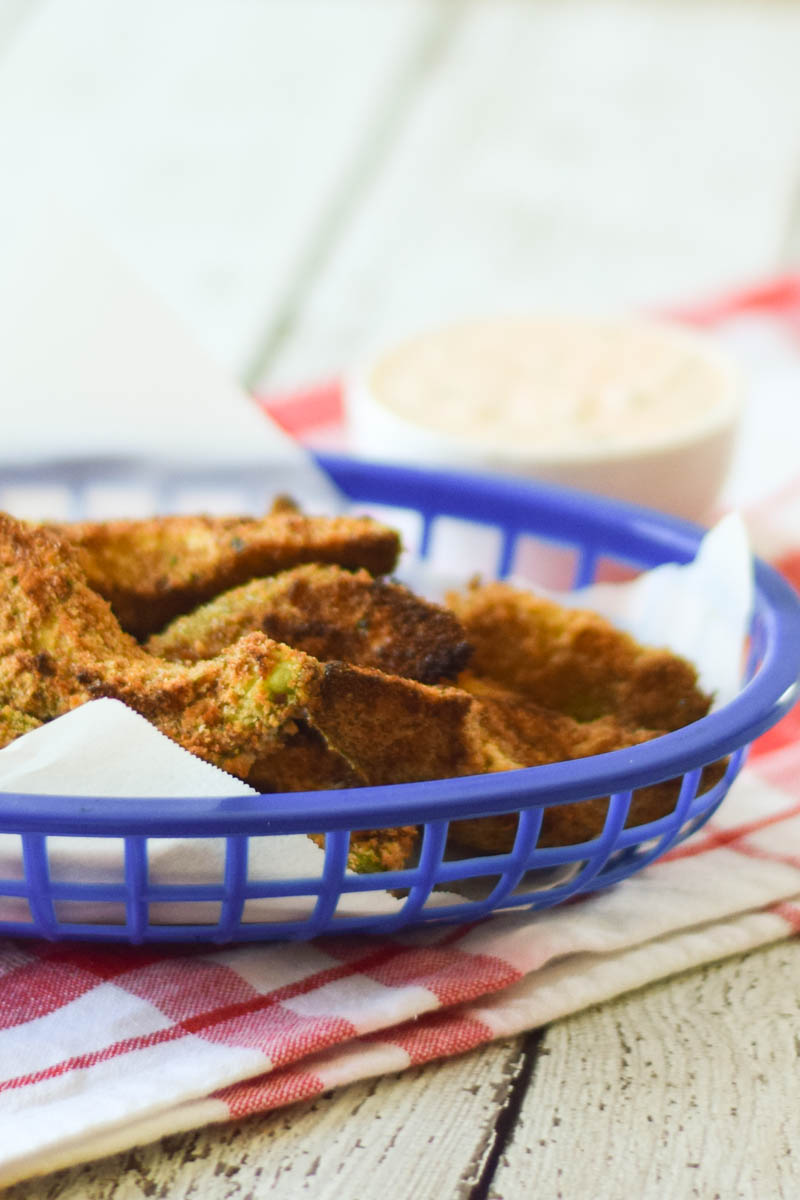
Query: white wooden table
(302, 178)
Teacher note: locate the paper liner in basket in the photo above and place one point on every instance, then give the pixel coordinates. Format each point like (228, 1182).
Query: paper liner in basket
(96, 369)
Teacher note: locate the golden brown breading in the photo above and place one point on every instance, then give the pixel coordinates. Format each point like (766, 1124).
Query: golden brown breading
(51, 623)
(374, 850)
(60, 645)
(14, 723)
(236, 710)
(153, 570)
(529, 735)
(572, 824)
(261, 710)
(575, 661)
(394, 730)
(302, 762)
(329, 613)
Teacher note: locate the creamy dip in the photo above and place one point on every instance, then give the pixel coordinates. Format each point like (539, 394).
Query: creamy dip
(548, 384)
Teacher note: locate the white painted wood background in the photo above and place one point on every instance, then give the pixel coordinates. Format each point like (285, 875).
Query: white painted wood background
(301, 178)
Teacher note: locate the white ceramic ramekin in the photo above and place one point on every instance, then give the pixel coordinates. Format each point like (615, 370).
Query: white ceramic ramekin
(678, 467)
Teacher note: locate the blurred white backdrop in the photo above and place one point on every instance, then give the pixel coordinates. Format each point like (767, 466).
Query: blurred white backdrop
(299, 178)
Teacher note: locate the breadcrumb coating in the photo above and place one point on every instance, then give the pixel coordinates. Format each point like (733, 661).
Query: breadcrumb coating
(332, 614)
(575, 661)
(153, 570)
(14, 723)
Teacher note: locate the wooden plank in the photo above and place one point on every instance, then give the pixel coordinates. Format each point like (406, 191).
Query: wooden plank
(790, 247)
(569, 155)
(685, 1089)
(421, 1135)
(207, 141)
(13, 15)
(377, 144)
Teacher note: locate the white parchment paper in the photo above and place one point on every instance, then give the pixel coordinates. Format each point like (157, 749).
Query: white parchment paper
(95, 367)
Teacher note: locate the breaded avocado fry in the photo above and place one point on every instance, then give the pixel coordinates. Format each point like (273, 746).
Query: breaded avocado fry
(153, 570)
(332, 614)
(575, 661)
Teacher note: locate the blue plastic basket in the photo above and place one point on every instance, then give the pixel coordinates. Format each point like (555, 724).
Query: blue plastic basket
(131, 905)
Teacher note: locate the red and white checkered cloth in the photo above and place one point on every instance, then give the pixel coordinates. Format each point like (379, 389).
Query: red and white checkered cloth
(104, 1048)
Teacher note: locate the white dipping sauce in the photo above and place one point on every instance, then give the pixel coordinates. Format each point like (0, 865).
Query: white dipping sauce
(552, 385)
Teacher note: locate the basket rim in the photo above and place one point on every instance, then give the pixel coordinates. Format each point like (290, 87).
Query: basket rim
(762, 702)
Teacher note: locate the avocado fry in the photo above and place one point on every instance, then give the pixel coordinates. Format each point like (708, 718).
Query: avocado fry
(153, 570)
(332, 614)
(575, 661)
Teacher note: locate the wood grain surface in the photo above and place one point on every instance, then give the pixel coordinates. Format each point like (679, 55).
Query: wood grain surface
(685, 1089)
(582, 155)
(207, 142)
